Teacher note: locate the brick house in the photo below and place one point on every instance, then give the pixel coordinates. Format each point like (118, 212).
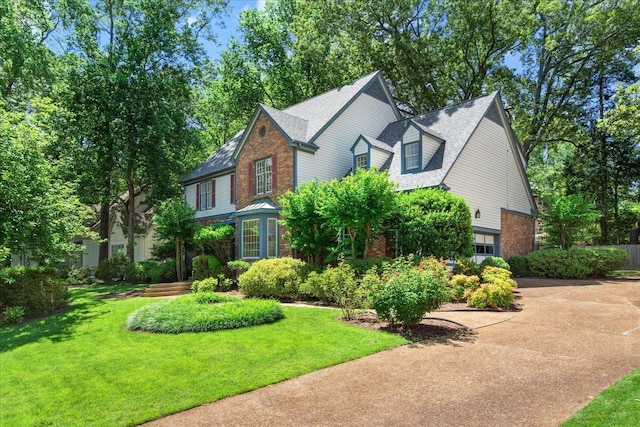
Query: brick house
(468, 148)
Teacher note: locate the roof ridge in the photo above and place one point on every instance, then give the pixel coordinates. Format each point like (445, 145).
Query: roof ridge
(457, 104)
(335, 89)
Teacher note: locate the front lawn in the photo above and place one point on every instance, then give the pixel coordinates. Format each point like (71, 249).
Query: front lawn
(619, 405)
(82, 367)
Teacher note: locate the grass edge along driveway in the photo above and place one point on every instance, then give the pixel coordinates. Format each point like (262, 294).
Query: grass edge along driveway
(82, 367)
(618, 405)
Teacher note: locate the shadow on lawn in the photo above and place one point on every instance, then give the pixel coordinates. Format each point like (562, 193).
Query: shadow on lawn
(59, 326)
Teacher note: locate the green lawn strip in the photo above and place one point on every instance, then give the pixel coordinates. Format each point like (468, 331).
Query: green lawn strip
(619, 405)
(83, 367)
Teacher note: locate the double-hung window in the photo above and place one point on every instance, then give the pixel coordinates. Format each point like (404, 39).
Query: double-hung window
(206, 195)
(411, 156)
(263, 176)
(361, 161)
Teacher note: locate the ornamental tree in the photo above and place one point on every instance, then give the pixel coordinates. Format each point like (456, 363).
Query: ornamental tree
(358, 205)
(218, 237)
(306, 228)
(174, 221)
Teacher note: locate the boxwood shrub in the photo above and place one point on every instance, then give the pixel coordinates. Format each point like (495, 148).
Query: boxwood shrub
(206, 266)
(113, 268)
(519, 265)
(38, 290)
(575, 263)
(278, 278)
(494, 261)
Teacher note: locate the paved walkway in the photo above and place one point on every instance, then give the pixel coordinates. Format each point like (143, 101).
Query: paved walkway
(535, 367)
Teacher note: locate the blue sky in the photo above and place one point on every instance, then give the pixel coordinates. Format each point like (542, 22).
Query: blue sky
(224, 34)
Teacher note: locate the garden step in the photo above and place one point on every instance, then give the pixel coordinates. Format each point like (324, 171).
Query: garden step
(167, 289)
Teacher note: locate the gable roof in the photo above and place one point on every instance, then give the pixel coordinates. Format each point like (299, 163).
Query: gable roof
(302, 123)
(322, 109)
(454, 124)
(373, 142)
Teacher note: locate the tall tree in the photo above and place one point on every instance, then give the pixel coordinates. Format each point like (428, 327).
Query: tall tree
(25, 58)
(174, 222)
(40, 214)
(281, 58)
(561, 63)
(133, 97)
(434, 52)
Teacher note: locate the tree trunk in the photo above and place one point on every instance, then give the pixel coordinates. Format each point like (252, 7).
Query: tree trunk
(367, 240)
(179, 259)
(105, 209)
(131, 203)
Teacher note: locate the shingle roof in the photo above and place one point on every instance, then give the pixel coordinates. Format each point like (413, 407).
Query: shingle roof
(454, 124)
(374, 143)
(293, 127)
(301, 122)
(217, 162)
(321, 109)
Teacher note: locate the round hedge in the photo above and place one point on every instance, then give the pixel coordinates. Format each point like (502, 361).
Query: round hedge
(203, 312)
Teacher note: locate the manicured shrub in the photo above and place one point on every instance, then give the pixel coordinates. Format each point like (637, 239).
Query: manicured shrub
(519, 266)
(606, 260)
(203, 312)
(234, 269)
(575, 263)
(431, 222)
(38, 290)
(314, 287)
(80, 276)
(460, 283)
(498, 275)
(404, 293)
(206, 266)
(362, 266)
(337, 285)
(211, 284)
(491, 295)
(134, 272)
(113, 268)
(467, 267)
(13, 315)
(161, 272)
(277, 278)
(494, 261)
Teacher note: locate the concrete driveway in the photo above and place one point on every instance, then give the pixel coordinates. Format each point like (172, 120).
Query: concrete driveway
(535, 367)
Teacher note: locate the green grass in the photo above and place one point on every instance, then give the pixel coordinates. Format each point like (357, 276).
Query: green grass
(83, 367)
(625, 273)
(619, 405)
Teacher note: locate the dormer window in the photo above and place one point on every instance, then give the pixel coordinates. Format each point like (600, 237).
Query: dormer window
(361, 161)
(411, 156)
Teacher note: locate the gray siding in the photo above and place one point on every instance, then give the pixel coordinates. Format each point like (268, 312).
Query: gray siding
(366, 115)
(487, 176)
(223, 195)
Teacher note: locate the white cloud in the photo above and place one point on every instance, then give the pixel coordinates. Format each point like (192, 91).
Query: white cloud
(260, 4)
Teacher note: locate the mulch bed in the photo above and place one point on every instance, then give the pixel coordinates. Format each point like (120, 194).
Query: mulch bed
(427, 329)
